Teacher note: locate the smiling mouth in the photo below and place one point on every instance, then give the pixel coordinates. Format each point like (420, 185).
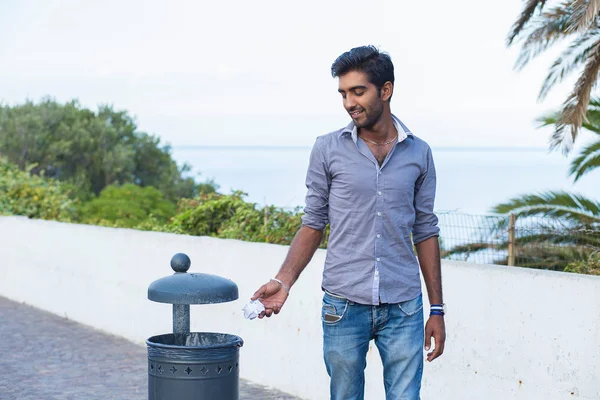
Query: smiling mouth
(355, 114)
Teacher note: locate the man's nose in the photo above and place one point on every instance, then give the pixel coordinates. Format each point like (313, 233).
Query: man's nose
(349, 103)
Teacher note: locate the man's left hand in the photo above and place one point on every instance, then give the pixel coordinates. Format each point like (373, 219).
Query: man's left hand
(436, 328)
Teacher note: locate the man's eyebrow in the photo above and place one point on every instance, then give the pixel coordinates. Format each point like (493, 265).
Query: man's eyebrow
(353, 88)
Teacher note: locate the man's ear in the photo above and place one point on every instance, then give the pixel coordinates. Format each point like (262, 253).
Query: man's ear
(387, 90)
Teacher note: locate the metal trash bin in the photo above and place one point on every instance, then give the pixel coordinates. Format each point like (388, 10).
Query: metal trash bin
(186, 365)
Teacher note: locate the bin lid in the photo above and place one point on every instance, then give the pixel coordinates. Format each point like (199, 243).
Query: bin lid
(196, 288)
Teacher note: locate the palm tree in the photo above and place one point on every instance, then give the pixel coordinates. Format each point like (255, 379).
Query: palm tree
(552, 230)
(589, 157)
(569, 227)
(539, 27)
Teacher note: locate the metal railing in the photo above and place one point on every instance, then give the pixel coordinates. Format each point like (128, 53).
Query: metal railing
(537, 242)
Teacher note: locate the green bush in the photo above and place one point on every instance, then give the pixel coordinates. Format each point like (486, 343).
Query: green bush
(591, 266)
(128, 206)
(70, 163)
(22, 193)
(281, 225)
(214, 214)
(230, 217)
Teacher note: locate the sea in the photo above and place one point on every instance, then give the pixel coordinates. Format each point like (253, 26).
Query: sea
(469, 180)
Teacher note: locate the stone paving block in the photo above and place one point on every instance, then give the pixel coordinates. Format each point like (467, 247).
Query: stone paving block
(46, 357)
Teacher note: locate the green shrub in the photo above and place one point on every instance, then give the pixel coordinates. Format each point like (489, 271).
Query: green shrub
(591, 266)
(128, 206)
(230, 217)
(207, 215)
(34, 196)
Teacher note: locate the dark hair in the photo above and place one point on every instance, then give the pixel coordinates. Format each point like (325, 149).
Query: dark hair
(368, 59)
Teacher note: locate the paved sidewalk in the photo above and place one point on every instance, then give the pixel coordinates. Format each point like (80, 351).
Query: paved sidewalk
(44, 356)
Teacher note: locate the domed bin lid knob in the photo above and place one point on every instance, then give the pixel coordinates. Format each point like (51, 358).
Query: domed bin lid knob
(196, 288)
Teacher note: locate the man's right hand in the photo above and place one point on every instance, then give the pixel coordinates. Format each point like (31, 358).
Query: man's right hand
(272, 296)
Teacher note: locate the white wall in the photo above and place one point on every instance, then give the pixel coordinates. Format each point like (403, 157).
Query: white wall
(512, 333)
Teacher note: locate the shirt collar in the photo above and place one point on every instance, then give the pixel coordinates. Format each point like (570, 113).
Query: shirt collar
(403, 131)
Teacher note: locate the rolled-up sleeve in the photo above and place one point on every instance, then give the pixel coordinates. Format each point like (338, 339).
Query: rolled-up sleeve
(318, 182)
(426, 222)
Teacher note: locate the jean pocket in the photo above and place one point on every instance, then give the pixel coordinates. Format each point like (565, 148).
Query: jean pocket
(411, 307)
(334, 309)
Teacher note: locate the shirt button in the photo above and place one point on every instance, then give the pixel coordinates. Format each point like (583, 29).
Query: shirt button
(376, 273)
(379, 193)
(379, 214)
(378, 236)
(378, 259)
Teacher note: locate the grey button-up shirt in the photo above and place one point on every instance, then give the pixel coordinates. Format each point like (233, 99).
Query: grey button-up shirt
(372, 212)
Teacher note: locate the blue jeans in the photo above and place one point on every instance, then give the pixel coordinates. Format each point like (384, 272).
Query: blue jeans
(398, 332)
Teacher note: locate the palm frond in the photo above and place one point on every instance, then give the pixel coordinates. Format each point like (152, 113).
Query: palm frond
(575, 107)
(592, 116)
(546, 237)
(526, 14)
(590, 205)
(546, 29)
(594, 104)
(572, 208)
(548, 119)
(469, 248)
(585, 14)
(570, 59)
(588, 160)
(593, 120)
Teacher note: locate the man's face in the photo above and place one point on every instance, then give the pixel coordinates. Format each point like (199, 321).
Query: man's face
(361, 99)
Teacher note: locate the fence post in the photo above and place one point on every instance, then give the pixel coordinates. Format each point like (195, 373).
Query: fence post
(266, 210)
(511, 240)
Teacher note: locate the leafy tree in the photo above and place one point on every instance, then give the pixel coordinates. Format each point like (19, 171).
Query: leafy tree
(539, 28)
(154, 166)
(91, 150)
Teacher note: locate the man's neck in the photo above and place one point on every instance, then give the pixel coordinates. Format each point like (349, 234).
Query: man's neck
(382, 130)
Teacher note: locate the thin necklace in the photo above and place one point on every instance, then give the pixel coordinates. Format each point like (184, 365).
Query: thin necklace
(380, 144)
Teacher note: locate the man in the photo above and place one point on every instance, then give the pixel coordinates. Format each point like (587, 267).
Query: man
(374, 183)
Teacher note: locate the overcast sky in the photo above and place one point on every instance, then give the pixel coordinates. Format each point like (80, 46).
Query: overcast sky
(258, 72)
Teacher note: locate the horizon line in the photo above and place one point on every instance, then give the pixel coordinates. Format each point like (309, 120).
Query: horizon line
(283, 147)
